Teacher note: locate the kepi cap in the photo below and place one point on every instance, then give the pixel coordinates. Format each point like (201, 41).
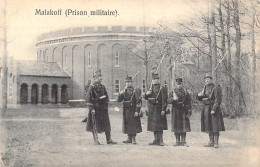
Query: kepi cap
(208, 76)
(128, 79)
(97, 73)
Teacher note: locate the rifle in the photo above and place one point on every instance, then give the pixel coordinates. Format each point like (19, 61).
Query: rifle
(157, 70)
(133, 78)
(136, 74)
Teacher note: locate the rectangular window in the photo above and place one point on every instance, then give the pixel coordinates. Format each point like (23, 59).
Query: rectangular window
(117, 59)
(10, 90)
(117, 86)
(143, 86)
(89, 59)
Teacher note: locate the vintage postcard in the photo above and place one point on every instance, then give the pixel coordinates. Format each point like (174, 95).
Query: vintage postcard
(130, 83)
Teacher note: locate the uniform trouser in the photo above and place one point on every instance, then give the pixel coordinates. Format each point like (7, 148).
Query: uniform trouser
(180, 134)
(158, 135)
(157, 132)
(213, 133)
(108, 135)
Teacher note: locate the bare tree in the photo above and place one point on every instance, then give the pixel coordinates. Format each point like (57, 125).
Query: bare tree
(229, 65)
(237, 88)
(253, 53)
(142, 52)
(169, 45)
(4, 78)
(213, 40)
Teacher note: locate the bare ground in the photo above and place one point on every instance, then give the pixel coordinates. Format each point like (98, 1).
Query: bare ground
(56, 137)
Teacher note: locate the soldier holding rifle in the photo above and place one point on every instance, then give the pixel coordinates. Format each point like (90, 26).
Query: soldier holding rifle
(181, 112)
(157, 104)
(97, 102)
(132, 102)
(211, 116)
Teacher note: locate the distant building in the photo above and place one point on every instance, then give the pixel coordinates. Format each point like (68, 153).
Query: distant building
(36, 82)
(81, 51)
(67, 59)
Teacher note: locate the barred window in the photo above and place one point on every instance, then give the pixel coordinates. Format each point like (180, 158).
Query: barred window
(10, 90)
(89, 59)
(117, 59)
(117, 86)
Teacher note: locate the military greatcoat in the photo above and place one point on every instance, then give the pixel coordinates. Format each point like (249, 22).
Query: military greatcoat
(211, 98)
(131, 104)
(97, 99)
(157, 102)
(181, 109)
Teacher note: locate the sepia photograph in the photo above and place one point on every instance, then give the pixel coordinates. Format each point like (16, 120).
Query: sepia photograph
(120, 83)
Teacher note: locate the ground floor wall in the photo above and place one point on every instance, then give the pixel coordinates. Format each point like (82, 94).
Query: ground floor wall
(42, 90)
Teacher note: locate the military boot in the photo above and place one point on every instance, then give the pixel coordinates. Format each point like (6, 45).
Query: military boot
(156, 141)
(129, 140)
(133, 139)
(108, 137)
(183, 140)
(161, 139)
(216, 141)
(177, 140)
(211, 141)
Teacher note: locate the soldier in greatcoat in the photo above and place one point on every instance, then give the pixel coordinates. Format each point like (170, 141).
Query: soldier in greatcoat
(97, 101)
(132, 102)
(157, 104)
(181, 111)
(211, 116)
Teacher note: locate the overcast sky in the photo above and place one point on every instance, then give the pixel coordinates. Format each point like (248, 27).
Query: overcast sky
(24, 26)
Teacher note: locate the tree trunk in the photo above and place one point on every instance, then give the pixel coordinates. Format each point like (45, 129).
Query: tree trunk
(238, 97)
(146, 74)
(213, 41)
(229, 67)
(223, 74)
(252, 28)
(173, 74)
(4, 79)
(146, 66)
(210, 50)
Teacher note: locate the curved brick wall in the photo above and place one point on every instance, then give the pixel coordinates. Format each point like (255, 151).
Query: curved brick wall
(81, 51)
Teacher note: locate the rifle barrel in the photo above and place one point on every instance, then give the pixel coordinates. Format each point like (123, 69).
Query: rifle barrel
(136, 74)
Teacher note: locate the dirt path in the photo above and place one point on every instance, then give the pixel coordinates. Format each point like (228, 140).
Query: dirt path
(63, 141)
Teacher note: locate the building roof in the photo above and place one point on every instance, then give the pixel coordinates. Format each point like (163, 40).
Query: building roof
(41, 68)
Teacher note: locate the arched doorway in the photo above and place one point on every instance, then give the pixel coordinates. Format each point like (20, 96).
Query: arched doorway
(54, 97)
(34, 94)
(24, 94)
(45, 94)
(64, 94)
